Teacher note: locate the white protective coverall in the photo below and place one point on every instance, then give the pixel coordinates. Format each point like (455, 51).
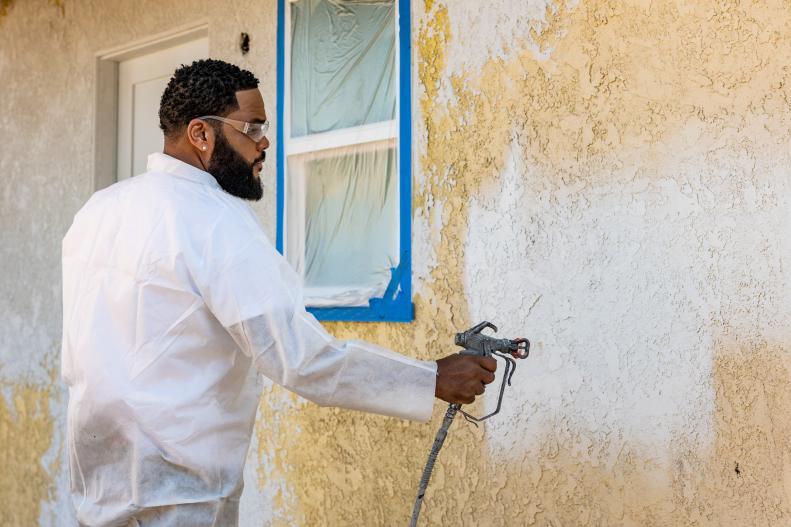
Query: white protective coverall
(171, 294)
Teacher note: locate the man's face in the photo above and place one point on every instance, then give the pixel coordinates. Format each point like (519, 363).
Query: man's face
(236, 161)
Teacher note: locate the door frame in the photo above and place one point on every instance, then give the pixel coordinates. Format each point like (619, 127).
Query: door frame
(105, 143)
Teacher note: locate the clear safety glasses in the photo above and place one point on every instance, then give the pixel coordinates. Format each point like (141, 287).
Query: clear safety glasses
(255, 131)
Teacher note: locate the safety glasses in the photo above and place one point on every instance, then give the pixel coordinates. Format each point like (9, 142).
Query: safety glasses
(255, 131)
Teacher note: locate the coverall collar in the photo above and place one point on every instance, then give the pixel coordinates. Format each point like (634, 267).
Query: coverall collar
(159, 162)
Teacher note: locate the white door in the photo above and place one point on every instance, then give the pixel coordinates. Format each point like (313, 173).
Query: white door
(141, 81)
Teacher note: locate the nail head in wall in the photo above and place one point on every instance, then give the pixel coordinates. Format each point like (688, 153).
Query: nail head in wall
(244, 43)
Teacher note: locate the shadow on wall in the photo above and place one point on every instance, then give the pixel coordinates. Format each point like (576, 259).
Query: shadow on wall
(746, 480)
(743, 478)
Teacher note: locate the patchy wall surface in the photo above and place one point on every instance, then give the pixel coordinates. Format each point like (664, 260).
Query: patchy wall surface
(609, 178)
(47, 65)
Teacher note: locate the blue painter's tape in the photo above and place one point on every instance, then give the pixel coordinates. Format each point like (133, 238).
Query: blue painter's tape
(279, 147)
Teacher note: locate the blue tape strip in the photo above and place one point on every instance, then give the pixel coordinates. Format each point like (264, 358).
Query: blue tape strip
(279, 147)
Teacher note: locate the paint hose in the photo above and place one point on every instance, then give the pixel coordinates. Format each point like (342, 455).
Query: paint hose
(432, 458)
(474, 342)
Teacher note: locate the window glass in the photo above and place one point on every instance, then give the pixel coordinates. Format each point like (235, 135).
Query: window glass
(351, 223)
(343, 62)
(342, 164)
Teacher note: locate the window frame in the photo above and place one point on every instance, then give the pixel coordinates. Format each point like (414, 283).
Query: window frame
(396, 304)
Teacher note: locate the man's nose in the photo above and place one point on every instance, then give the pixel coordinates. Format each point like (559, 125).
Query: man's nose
(263, 144)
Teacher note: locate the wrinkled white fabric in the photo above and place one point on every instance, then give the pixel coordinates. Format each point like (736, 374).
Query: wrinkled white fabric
(349, 201)
(342, 196)
(343, 64)
(171, 294)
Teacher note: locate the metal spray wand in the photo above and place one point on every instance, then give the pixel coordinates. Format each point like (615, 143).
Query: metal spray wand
(474, 343)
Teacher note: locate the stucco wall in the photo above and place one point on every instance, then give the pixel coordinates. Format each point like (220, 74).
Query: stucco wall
(608, 178)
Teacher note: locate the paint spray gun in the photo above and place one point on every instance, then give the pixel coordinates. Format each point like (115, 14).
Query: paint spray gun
(474, 342)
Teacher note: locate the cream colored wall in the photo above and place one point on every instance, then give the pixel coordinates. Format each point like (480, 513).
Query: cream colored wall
(609, 178)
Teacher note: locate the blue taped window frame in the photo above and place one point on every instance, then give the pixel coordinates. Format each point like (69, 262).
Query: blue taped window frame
(396, 304)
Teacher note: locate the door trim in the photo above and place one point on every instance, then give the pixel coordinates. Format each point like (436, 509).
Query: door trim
(105, 146)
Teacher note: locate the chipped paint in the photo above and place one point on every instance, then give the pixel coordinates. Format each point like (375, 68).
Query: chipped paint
(274, 428)
(26, 431)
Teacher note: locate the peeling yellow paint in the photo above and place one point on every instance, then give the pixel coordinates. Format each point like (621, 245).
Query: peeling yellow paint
(275, 429)
(546, 35)
(26, 430)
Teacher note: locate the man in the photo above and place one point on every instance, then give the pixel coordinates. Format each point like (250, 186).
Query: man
(174, 299)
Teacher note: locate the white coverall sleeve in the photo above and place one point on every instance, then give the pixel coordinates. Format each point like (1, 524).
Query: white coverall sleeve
(258, 299)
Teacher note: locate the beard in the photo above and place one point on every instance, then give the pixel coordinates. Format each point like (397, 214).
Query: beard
(233, 173)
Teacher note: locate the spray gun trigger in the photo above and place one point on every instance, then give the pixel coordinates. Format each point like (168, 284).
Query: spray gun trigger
(483, 325)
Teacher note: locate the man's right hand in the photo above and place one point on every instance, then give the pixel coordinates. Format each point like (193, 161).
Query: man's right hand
(461, 377)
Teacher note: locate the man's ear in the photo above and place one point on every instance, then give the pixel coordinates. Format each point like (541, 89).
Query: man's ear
(200, 135)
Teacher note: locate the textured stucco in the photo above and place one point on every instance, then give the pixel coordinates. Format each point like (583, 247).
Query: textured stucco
(612, 182)
(47, 65)
(26, 432)
(608, 178)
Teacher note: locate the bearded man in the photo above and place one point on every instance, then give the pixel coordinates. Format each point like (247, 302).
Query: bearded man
(174, 300)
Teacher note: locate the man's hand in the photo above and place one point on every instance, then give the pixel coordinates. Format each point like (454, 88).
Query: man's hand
(461, 377)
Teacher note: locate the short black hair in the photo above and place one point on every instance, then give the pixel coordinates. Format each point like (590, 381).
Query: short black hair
(205, 87)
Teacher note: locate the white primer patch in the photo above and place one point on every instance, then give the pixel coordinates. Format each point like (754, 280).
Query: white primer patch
(426, 230)
(613, 308)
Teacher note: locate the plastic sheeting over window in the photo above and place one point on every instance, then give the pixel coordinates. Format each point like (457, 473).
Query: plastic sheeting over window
(342, 64)
(350, 211)
(342, 188)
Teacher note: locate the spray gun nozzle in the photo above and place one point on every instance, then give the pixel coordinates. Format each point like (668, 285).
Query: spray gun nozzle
(522, 349)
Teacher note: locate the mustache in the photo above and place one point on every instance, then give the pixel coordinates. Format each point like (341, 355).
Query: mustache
(260, 158)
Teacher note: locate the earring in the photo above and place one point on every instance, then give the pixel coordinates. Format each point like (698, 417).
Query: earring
(204, 147)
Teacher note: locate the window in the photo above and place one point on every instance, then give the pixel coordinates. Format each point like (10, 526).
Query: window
(344, 155)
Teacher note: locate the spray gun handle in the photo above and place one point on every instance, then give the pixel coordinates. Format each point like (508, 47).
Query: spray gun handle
(476, 343)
